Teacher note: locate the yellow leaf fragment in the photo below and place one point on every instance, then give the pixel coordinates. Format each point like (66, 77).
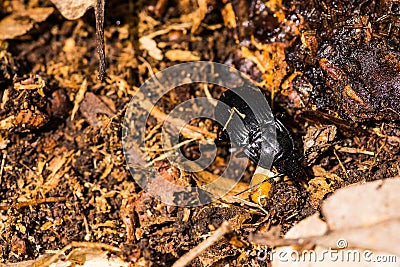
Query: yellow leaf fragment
(181, 55)
(228, 15)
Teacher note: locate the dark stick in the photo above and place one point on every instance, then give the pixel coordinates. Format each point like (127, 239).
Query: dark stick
(99, 12)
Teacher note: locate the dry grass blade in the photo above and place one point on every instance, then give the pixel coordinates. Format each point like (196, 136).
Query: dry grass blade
(100, 246)
(192, 254)
(32, 202)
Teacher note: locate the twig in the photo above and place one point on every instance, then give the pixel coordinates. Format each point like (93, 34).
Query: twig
(248, 203)
(171, 148)
(196, 251)
(377, 154)
(79, 98)
(3, 161)
(150, 69)
(341, 164)
(73, 244)
(99, 12)
(188, 131)
(353, 150)
(32, 202)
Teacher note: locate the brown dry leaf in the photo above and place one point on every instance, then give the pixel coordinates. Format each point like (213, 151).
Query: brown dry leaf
(317, 140)
(91, 106)
(362, 219)
(310, 226)
(73, 9)
(361, 205)
(181, 55)
(21, 22)
(217, 185)
(321, 184)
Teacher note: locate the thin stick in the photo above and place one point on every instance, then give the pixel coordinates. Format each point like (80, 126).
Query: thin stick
(353, 150)
(270, 180)
(73, 244)
(170, 148)
(195, 252)
(99, 13)
(32, 202)
(341, 164)
(229, 119)
(3, 161)
(248, 203)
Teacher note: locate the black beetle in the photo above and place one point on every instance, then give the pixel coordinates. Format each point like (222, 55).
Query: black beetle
(250, 137)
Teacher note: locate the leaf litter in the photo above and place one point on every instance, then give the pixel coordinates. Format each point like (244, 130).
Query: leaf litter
(66, 192)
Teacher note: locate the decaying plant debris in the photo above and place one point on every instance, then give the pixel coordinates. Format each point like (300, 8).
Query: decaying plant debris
(330, 69)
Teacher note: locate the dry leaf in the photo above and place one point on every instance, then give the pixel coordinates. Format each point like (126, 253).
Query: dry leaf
(361, 205)
(361, 219)
(73, 9)
(310, 226)
(21, 22)
(321, 185)
(218, 185)
(317, 140)
(91, 106)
